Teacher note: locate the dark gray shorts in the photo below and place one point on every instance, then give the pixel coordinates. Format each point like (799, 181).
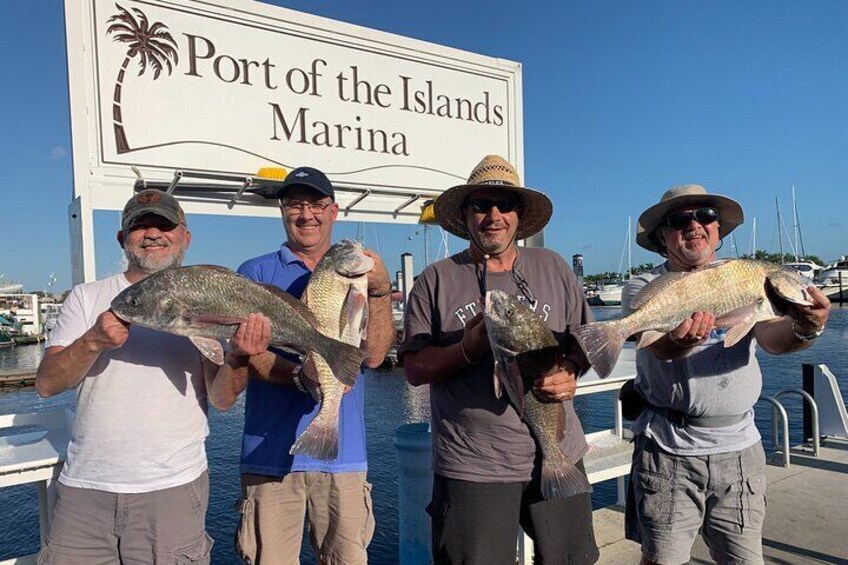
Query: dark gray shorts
(672, 497)
(96, 527)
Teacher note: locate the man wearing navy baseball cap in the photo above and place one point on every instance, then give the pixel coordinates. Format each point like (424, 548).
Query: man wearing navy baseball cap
(279, 489)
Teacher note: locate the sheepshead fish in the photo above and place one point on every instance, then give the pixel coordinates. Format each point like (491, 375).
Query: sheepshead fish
(206, 303)
(739, 292)
(337, 293)
(525, 349)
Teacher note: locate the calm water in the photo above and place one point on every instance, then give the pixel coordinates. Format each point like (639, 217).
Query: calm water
(390, 402)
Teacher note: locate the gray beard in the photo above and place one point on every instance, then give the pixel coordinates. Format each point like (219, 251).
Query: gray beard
(152, 265)
(696, 257)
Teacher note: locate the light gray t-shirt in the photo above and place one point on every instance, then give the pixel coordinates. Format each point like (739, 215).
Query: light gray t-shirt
(711, 381)
(477, 437)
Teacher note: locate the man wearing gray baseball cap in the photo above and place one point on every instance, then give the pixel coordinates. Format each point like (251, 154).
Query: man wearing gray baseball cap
(134, 487)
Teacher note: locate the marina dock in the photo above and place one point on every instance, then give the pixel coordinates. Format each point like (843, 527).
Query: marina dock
(17, 379)
(805, 519)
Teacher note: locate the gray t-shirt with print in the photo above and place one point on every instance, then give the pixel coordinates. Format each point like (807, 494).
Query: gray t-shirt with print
(477, 437)
(711, 381)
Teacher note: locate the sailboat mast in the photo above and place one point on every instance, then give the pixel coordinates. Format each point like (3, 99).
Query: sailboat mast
(779, 226)
(795, 226)
(800, 240)
(754, 239)
(629, 249)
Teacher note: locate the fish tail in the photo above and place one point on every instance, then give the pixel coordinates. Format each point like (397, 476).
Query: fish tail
(562, 479)
(344, 359)
(320, 439)
(602, 343)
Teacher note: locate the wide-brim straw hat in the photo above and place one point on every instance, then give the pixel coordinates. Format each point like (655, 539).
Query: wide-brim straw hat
(493, 172)
(730, 214)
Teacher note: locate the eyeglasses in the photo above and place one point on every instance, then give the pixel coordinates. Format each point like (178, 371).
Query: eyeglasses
(295, 207)
(704, 216)
(484, 205)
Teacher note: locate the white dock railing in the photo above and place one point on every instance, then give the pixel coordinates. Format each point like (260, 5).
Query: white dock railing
(34, 455)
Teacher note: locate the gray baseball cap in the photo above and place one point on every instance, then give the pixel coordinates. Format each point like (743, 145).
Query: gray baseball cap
(152, 201)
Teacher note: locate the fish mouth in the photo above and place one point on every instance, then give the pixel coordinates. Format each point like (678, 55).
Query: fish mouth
(119, 316)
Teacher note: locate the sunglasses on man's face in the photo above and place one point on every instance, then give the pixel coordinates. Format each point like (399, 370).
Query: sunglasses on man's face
(484, 205)
(704, 216)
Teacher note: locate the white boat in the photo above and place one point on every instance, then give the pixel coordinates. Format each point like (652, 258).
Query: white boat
(831, 275)
(805, 268)
(609, 295)
(833, 281)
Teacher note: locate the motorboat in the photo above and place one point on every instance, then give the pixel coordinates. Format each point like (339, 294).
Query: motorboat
(805, 268)
(833, 281)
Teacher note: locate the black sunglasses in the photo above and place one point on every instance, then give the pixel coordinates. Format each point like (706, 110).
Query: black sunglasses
(704, 216)
(483, 205)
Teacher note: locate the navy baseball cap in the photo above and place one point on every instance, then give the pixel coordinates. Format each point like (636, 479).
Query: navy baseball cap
(308, 177)
(152, 201)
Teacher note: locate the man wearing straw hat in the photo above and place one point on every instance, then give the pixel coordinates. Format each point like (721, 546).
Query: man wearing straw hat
(698, 463)
(485, 460)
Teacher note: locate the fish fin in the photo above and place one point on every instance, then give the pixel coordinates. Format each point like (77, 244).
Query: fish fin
(344, 359)
(735, 334)
(738, 316)
(319, 440)
(648, 338)
(496, 381)
(356, 301)
(562, 479)
(654, 288)
(296, 304)
(218, 268)
(209, 348)
(309, 373)
(204, 320)
(602, 343)
(512, 382)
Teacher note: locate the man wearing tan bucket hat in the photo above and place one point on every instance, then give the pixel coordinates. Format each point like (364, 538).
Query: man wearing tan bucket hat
(485, 461)
(698, 464)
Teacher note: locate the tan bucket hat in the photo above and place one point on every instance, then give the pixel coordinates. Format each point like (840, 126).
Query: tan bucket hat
(493, 172)
(730, 212)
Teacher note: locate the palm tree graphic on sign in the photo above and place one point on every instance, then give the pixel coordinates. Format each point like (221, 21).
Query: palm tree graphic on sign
(154, 47)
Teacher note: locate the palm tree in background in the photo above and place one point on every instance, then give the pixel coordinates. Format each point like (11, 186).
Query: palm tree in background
(153, 45)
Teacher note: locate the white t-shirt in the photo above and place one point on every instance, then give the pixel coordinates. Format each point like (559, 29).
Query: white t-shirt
(140, 421)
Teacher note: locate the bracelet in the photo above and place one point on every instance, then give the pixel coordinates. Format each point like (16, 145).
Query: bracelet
(296, 379)
(806, 337)
(465, 355)
(380, 294)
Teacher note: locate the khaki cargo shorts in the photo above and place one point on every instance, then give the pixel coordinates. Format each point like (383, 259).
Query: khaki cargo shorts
(337, 507)
(672, 497)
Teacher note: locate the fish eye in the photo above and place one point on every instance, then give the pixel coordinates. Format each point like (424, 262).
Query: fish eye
(133, 301)
(510, 312)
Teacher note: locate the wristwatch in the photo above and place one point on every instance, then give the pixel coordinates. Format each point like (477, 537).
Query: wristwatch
(296, 378)
(806, 337)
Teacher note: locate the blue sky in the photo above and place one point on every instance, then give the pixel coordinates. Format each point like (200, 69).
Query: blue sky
(622, 100)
